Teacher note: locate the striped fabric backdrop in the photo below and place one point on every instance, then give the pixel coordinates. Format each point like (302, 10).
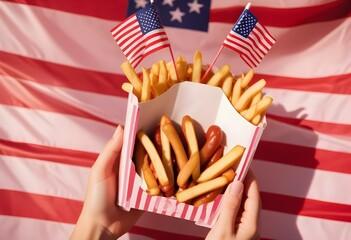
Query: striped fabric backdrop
(61, 99)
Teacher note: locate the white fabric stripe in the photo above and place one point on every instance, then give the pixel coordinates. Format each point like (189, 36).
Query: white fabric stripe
(303, 182)
(81, 32)
(286, 226)
(285, 133)
(132, 56)
(287, 103)
(17, 228)
(52, 129)
(61, 180)
(103, 106)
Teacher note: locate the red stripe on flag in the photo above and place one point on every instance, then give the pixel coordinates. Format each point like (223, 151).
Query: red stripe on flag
(60, 75)
(304, 156)
(58, 155)
(306, 207)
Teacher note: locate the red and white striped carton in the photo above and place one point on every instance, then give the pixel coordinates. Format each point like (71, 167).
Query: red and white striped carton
(207, 105)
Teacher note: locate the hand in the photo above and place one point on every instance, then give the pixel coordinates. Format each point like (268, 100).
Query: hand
(239, 216)
(101, 218)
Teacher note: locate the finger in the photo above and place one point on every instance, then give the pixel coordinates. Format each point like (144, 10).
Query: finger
(252, 204)
(230, 205)
(108, 160)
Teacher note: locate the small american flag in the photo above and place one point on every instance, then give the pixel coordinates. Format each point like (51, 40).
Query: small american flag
(140, 35)
(250, 39)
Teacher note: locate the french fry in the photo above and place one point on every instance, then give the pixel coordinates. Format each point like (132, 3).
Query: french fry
(197, 67)
(247, 78)
(227, 86)
(166, 151)
(181, 68)
(256, 98)
(188, 169)
(139, 154)
(145, 91)
(176, 143)
(132, 77)
(258, 108)
(151, 182)
(227, 161)
(172, 75)
(193, 148)
(154, 157)
(199, 189)
(247, 96)
(256, 120)
(236, 91)
(219, 76)
(155, 69)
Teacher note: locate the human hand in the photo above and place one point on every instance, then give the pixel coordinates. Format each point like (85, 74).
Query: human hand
(101, 218)
(239, 216)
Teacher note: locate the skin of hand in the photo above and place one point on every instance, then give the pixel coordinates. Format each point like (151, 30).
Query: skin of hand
(101, 218)
(240, 213)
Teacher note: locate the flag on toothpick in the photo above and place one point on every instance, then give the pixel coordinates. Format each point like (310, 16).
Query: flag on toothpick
(249, 38)
(140, 35)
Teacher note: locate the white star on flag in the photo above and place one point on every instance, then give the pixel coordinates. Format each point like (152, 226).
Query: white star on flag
(195, 7)
(168, 2)
(140, 3)
(177, 15)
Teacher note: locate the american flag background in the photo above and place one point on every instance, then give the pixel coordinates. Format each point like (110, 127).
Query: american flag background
(61, 99)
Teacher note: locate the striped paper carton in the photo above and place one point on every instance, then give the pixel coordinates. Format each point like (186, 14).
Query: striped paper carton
(205, 104)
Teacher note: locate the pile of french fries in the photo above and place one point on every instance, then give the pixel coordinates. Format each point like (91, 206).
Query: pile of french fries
(191, 171)
(247, 99)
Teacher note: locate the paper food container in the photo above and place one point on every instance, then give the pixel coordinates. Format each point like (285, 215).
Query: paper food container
(207, 105)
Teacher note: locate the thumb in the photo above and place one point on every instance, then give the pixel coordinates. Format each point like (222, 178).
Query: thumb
(231, 204)
(108, 159)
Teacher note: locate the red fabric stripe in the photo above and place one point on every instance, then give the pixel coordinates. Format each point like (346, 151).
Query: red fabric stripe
(61, 76)
(339, 84)
(277, 17)
(58, 155)
(108, 83)
(130, 36)
(322, 127)
(30, 205)
(22, 204)
(306, 207)
(157, 234)
(304, 156)
(289, 17)
(26, 96)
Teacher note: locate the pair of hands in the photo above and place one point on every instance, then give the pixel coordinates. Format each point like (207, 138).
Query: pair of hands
(102, 219)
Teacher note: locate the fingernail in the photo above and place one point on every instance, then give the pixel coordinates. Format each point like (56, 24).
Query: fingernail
(236, 188)
(118, 131)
